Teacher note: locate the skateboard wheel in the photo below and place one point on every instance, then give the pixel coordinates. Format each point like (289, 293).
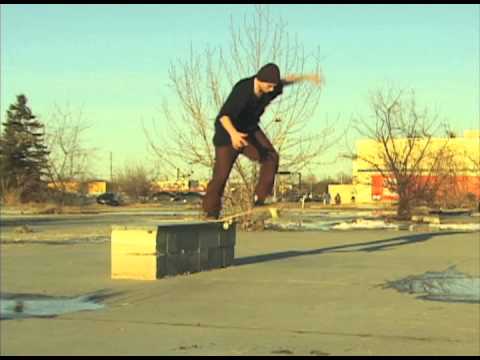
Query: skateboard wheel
(226, 225)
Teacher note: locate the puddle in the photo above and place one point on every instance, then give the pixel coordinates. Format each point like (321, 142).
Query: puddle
(101, 239)
(298, 226)
(20, 306)
(460, 227)
(353, 221)
(328, 224)
(364, 225)
(331, 220)
(449, 286)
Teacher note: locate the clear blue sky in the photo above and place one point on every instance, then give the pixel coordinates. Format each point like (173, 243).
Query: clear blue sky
(112, 60)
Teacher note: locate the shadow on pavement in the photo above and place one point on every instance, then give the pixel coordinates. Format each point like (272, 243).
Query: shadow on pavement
(371, 246)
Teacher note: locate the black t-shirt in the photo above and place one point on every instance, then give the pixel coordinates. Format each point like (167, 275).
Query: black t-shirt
(244, 109)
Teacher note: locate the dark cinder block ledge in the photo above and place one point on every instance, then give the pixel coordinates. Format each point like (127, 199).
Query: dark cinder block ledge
(169, 249)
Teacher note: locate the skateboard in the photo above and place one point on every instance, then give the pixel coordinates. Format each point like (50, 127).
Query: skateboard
(259, 213)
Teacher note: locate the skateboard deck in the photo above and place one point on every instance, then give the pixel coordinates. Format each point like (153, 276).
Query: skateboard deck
(257, 213)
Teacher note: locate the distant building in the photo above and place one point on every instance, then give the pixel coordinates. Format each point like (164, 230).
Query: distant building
(369, 185)
(181, 185)
(89, 187)
(97, 187)
(68, 186)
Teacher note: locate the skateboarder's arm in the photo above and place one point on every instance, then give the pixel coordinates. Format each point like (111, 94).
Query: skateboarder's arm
(228, 125)
(231, 109)
(238, 138)
(292, 79)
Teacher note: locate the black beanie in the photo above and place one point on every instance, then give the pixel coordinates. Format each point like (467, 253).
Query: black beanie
(269, 73)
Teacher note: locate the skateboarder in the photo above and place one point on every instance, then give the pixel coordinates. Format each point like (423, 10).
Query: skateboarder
(237, 132)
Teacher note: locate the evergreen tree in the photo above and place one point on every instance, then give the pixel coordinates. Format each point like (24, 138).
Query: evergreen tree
(23, 154)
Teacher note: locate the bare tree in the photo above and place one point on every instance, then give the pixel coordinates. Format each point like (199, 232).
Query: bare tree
(202, 82)
(461, 170)
(406, 155)
(471, 156)
(70, 158)
(135, 181)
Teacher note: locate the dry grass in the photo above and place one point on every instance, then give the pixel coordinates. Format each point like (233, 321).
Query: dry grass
(11, 197)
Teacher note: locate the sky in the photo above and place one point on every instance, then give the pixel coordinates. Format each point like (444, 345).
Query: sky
(111, 62)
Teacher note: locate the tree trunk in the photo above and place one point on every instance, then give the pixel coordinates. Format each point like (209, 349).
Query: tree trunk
(403, 210)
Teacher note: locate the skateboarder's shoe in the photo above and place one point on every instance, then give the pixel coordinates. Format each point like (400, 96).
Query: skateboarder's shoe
(259, 203)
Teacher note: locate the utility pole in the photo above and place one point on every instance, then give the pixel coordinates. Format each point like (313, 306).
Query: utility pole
(111, 167)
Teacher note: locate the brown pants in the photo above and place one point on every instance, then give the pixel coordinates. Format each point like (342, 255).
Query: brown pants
(258, 149)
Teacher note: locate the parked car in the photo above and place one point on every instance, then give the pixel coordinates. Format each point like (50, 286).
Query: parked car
(310, 197)
(163, 196)
(191, 197)
(108, 198)
(290, 197)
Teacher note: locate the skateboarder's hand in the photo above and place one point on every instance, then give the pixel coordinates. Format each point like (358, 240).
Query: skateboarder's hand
(239, 140)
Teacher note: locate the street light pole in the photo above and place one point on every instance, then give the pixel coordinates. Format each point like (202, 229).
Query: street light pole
(111, 169)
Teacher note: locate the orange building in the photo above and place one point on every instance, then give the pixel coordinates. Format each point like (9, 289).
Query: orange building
(90, 187)
(181, 185)
(97, 187)
(370, 185)
(69, 186)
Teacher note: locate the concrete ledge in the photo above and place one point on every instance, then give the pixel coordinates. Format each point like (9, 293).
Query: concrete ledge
(153, 252)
